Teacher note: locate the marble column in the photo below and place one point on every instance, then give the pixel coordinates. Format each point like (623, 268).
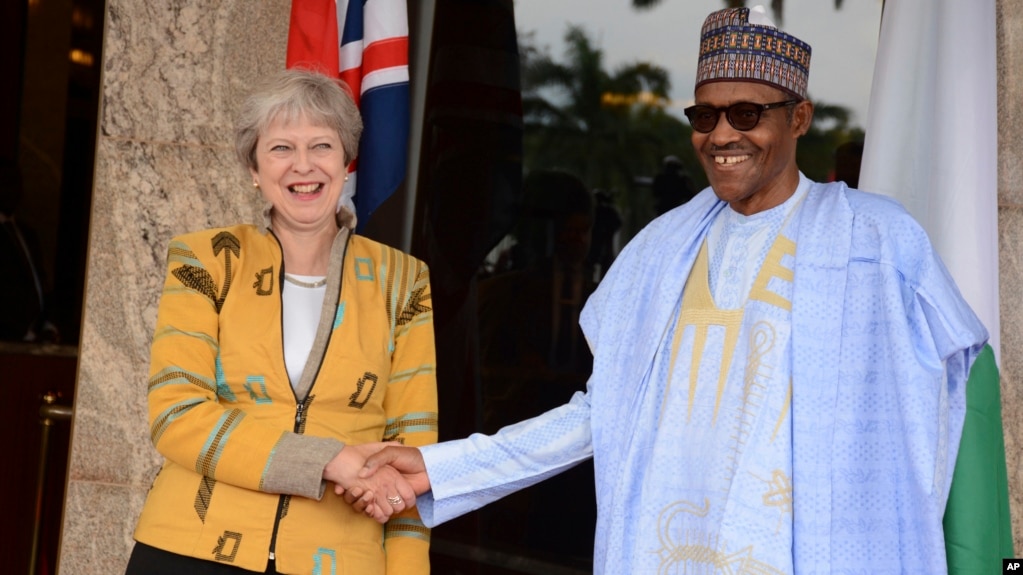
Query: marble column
(174, 73)
(1010, 246)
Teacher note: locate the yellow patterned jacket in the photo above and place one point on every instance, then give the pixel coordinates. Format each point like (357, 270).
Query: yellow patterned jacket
(245, 451)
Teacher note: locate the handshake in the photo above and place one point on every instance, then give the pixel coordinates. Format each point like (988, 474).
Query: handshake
(378, 479)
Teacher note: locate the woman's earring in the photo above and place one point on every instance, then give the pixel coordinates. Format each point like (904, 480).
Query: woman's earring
(255, 184)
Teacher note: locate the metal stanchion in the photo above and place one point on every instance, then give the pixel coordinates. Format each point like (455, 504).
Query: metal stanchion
(49, 412)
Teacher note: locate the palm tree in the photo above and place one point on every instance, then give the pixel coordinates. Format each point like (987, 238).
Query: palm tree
(581, 117)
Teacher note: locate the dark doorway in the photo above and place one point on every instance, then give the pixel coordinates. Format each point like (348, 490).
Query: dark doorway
(50, 61)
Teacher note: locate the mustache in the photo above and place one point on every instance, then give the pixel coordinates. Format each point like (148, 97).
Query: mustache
(731, 147)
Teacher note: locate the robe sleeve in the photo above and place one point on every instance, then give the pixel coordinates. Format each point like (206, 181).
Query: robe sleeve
(469, 473)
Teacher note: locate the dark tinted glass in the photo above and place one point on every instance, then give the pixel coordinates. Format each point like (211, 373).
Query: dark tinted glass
(742, 115)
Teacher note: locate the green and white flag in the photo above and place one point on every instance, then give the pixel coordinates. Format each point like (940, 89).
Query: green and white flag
(931, 142)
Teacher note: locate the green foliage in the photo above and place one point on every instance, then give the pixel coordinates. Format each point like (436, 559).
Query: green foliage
(573, 120)
(830, 128)
(610, 128)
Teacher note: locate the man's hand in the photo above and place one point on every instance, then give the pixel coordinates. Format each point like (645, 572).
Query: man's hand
(379, 495)
(407, 460)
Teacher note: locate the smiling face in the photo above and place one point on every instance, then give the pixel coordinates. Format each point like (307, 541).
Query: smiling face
(300, 169)
(753, 170)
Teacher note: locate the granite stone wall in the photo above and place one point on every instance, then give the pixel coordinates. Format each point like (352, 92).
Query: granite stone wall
(1010, 246)
(174, 73)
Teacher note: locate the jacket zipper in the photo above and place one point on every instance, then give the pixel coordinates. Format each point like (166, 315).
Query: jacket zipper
(298, 412)
(301, 405)
(280, 500)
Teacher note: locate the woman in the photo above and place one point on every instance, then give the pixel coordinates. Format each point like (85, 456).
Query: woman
(277, 346)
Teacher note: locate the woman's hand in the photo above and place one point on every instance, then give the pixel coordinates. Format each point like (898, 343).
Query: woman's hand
(392, 458)
(379, 496)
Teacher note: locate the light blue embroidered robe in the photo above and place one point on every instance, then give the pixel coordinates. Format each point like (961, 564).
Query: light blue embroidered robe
(882, 344)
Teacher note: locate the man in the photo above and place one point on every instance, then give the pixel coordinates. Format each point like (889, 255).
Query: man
(672, 186)
(779, 364)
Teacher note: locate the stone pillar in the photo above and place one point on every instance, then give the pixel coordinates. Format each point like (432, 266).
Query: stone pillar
(173, 76)
(1010, 246)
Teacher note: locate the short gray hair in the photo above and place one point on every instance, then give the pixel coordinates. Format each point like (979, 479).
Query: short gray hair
(290, 94)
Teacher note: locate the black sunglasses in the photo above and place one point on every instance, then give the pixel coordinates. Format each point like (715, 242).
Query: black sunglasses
(742, 116)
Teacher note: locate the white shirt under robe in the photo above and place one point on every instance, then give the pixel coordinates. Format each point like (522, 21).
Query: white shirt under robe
(723, 425)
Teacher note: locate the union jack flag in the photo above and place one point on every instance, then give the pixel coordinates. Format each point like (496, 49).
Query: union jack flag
(365, 43)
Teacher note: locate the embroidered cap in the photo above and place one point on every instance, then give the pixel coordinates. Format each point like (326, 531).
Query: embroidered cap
(743, 45)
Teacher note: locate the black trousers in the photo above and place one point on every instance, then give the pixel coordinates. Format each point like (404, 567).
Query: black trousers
(148, 560)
